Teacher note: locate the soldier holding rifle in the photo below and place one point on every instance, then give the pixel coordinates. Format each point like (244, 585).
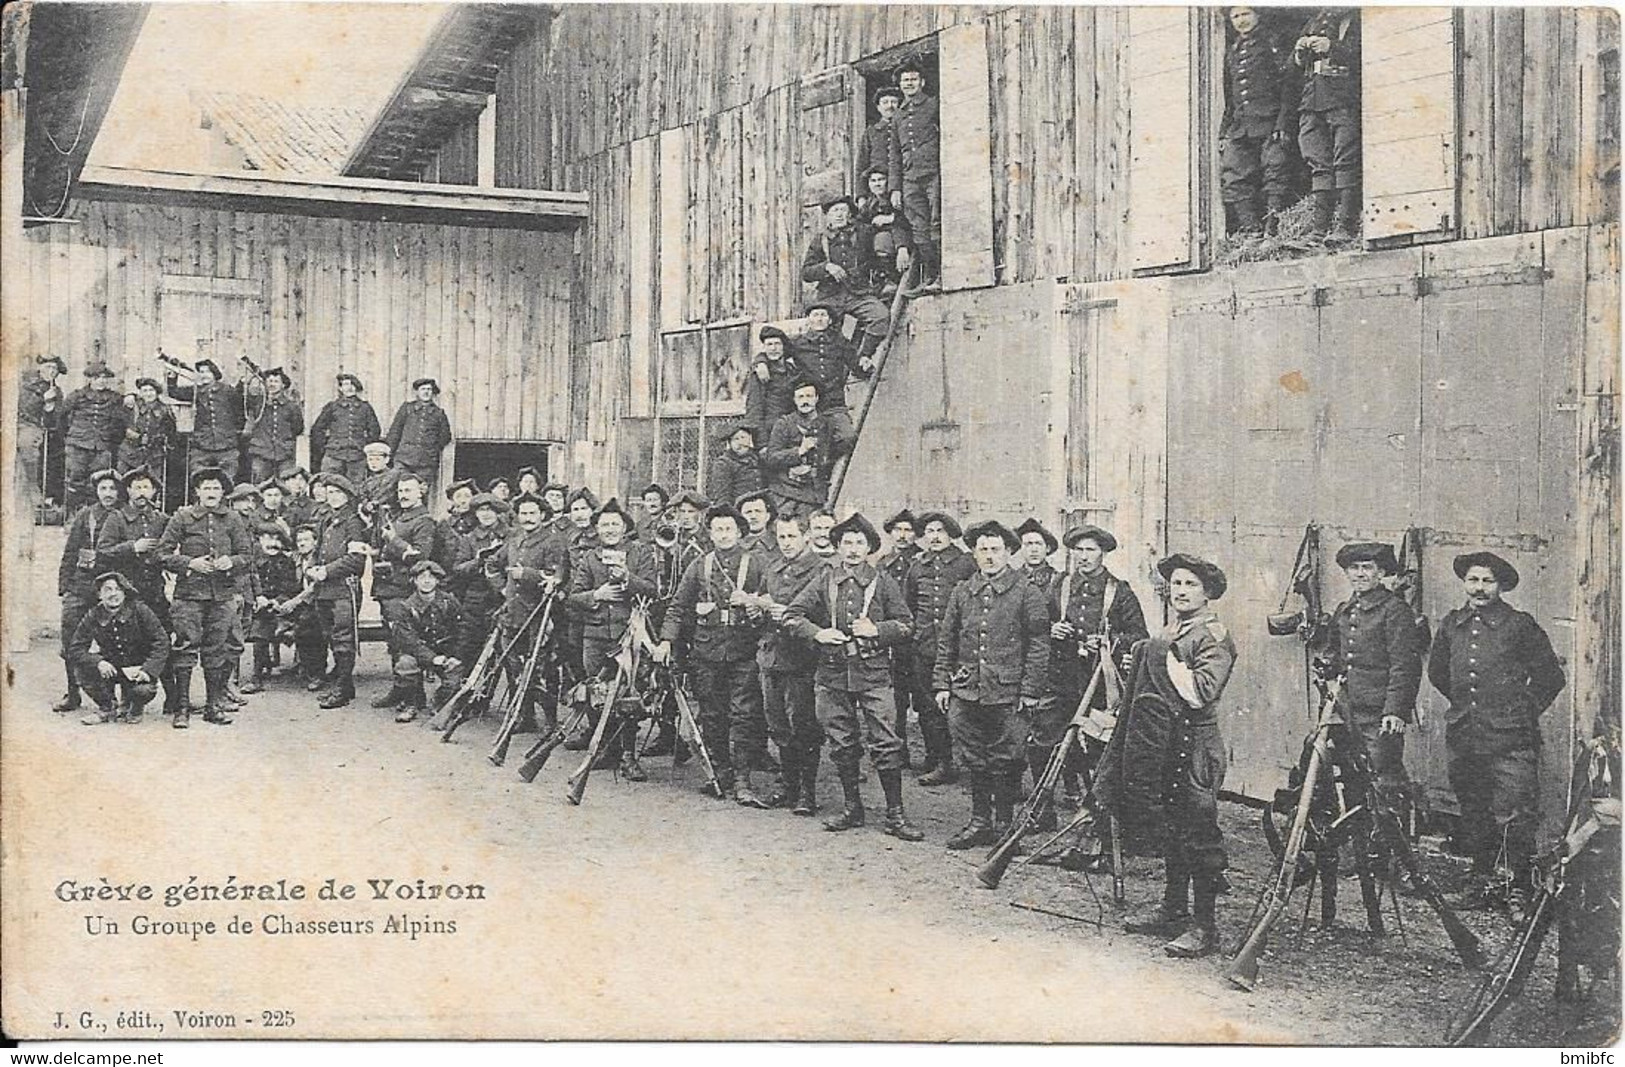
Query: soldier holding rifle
(536, 563)
(217, 415)
(149, 428)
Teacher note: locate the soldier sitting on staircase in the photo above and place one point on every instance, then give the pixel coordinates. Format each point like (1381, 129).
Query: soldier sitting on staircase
(839, 262)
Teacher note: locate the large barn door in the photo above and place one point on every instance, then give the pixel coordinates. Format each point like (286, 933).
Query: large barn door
(967, 157)
(1408, 75)
(210, 318)
(1163, 212)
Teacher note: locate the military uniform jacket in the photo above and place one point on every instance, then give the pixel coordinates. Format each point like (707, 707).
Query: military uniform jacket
(149, 427)
(826, 357)
(94, 417)
(1377, 645)
(897, 560)
(606, 620)
(343, 427)
(1202, 644)
(699, 610)
(428, 626)
(195, 532)
(477, 583)
(299, 511)
(378, 488)
(916, 141)
(273, 432)
(779, 649)
(132, 636)
(582, 540)
(993, 643)
(277, 518)
(932, 579)
(413, 539)
(341, 529)
(763, 543)
(217, 412)
(124, 528)
(852, 248)
(873, 153)
(784, 458)
(540, 553)
(1080, 600)
(767, 402)
(33, 398)
(276, 576)
(1496, 667)
(733, 476)
(419, 433)
(838, 598)
(1261, 87)
(94, 530)
(1332, 80)
(1042, 577)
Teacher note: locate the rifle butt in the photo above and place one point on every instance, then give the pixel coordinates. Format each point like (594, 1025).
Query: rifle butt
(499, 751)
(577, 786)
(993, 869)
(1243, 970)
(538, 756)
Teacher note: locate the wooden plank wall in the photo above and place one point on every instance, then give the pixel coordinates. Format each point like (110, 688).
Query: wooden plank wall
(485, 311)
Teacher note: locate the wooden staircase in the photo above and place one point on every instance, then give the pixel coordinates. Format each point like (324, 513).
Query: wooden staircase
(837, 477)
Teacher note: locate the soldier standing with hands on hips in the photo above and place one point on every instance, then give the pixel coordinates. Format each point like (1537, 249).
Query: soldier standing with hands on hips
(419, 433)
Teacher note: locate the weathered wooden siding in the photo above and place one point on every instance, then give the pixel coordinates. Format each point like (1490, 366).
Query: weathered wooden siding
(486, 311)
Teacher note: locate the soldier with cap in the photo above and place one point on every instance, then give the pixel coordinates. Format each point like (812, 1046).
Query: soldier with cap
(341, 556)
(94, 418)
(273, 432)
(93, 532)
(826, 358)
(874, 145)
(1496, 667)
(148, 430)
(653, 497)
(756, 507)
(557, 497)
(1032, 562)
(895, 561)
(737, 469)
(460, 517)
(1261, 91)
(427, 637)
(536, 563)
(406, 536)
(803, 449)
(134, 533)
(342, 429)
(712, 613)
(1327, 52)
(914, 170)
(271, 507)
(217, 417)
(770, 390)
(528, 482)
(1162, 774)
(208, 549)
(276, 581)
(120, 650)
(377, 484)
(854, 614)
(840, 263)
(888, 234)
(501, 490)
(991, 669)
(420, 432)
(929, 586)
(38, 403)
(298, 506)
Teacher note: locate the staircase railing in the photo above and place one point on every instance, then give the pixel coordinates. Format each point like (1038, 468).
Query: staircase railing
(837, 478)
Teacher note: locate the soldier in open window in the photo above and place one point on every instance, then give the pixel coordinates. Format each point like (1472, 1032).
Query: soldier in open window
(874, 146)
(1328, 53)
(1261, 92)
(915, 171)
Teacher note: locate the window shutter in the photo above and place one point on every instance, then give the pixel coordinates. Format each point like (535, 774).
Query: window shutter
(1408, 77)
(826, 136)
(967, 157)
(1162, 125)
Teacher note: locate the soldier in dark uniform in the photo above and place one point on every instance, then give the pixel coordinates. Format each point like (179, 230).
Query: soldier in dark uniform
(271, 508)
(536, 562)
(377, 484)
(756, 507)
(405, 537)
(991, 670)
(207, 548)
(38, 403)
(120, 650)
(1328, 53)
(475, 571)
(274, 432)
(1496, 667)
(1261, 93)
(309, 642)
(217, 417)
(896, 561)
(149, 429)
(1162, 774)
(428, 630)
(914, 170)
(888, 234)
(654, 498)
(93, 532)
(528, 482)
(556, 495)
(854, 614)
(343, 428)
(737, 469)
(710, 612)
(786, 664)
(826, 358)
(874, 145)
(298, 506)
(802, 450)
(1032, 562)
(276, 581)
(840, 262)
(341, 556)
(770, 390)
(94, 420)
(420, 432)
(932, 578)
(136, 530)
(501, 490)
(460, 497)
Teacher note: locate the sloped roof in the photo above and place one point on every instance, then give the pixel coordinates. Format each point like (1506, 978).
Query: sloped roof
(280, 138)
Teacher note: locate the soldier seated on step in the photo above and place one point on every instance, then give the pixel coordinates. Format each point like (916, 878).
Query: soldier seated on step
(890, 244)
(840, 262)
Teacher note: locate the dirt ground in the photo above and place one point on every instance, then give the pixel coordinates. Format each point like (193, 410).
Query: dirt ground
(649, 911)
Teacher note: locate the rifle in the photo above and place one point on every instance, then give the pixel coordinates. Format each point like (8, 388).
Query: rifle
(578, 781)
(516, 698)
(696, 742)
(471, 681)
(991, 872)
(537, 757)
(477, 677)
(1243, 970)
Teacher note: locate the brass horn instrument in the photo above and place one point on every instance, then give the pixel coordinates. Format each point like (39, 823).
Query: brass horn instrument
(666, 534)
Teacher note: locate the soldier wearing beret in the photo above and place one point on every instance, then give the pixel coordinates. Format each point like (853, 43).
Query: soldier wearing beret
(802, 451)
(888, 234)
(342, 429)
(276, 581)
(991, 667)
(378, 482)
(1327, 52)
(94, 417)
(207, 547)
(770, 390)
(757, 509)
(38, 403)
(895, 561)
(929, 586)
(120, 650)
(654, 499)
(1032, 559)
(93, 532)
(1496, 667)
(273, 431)
(420, 432)
(217, 417)
(298, 506)
(1261, 91)
(474, 574)
(874, 145)
(712, 611)
(405, 537)
(341, 557)
(149, 429)
(737, 469)
(854, 614)
(536, 564)
(134, 533)
(840, 263)
(826, 358)
(1162, 773)
(914, 170)
(428, 629)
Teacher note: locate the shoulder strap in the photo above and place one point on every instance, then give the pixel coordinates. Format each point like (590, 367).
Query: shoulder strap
(1106, 601)
(869, 596)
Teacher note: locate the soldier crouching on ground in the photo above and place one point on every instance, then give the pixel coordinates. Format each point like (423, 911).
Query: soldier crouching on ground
(427, 628)
(92, 534)
(120, 650)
